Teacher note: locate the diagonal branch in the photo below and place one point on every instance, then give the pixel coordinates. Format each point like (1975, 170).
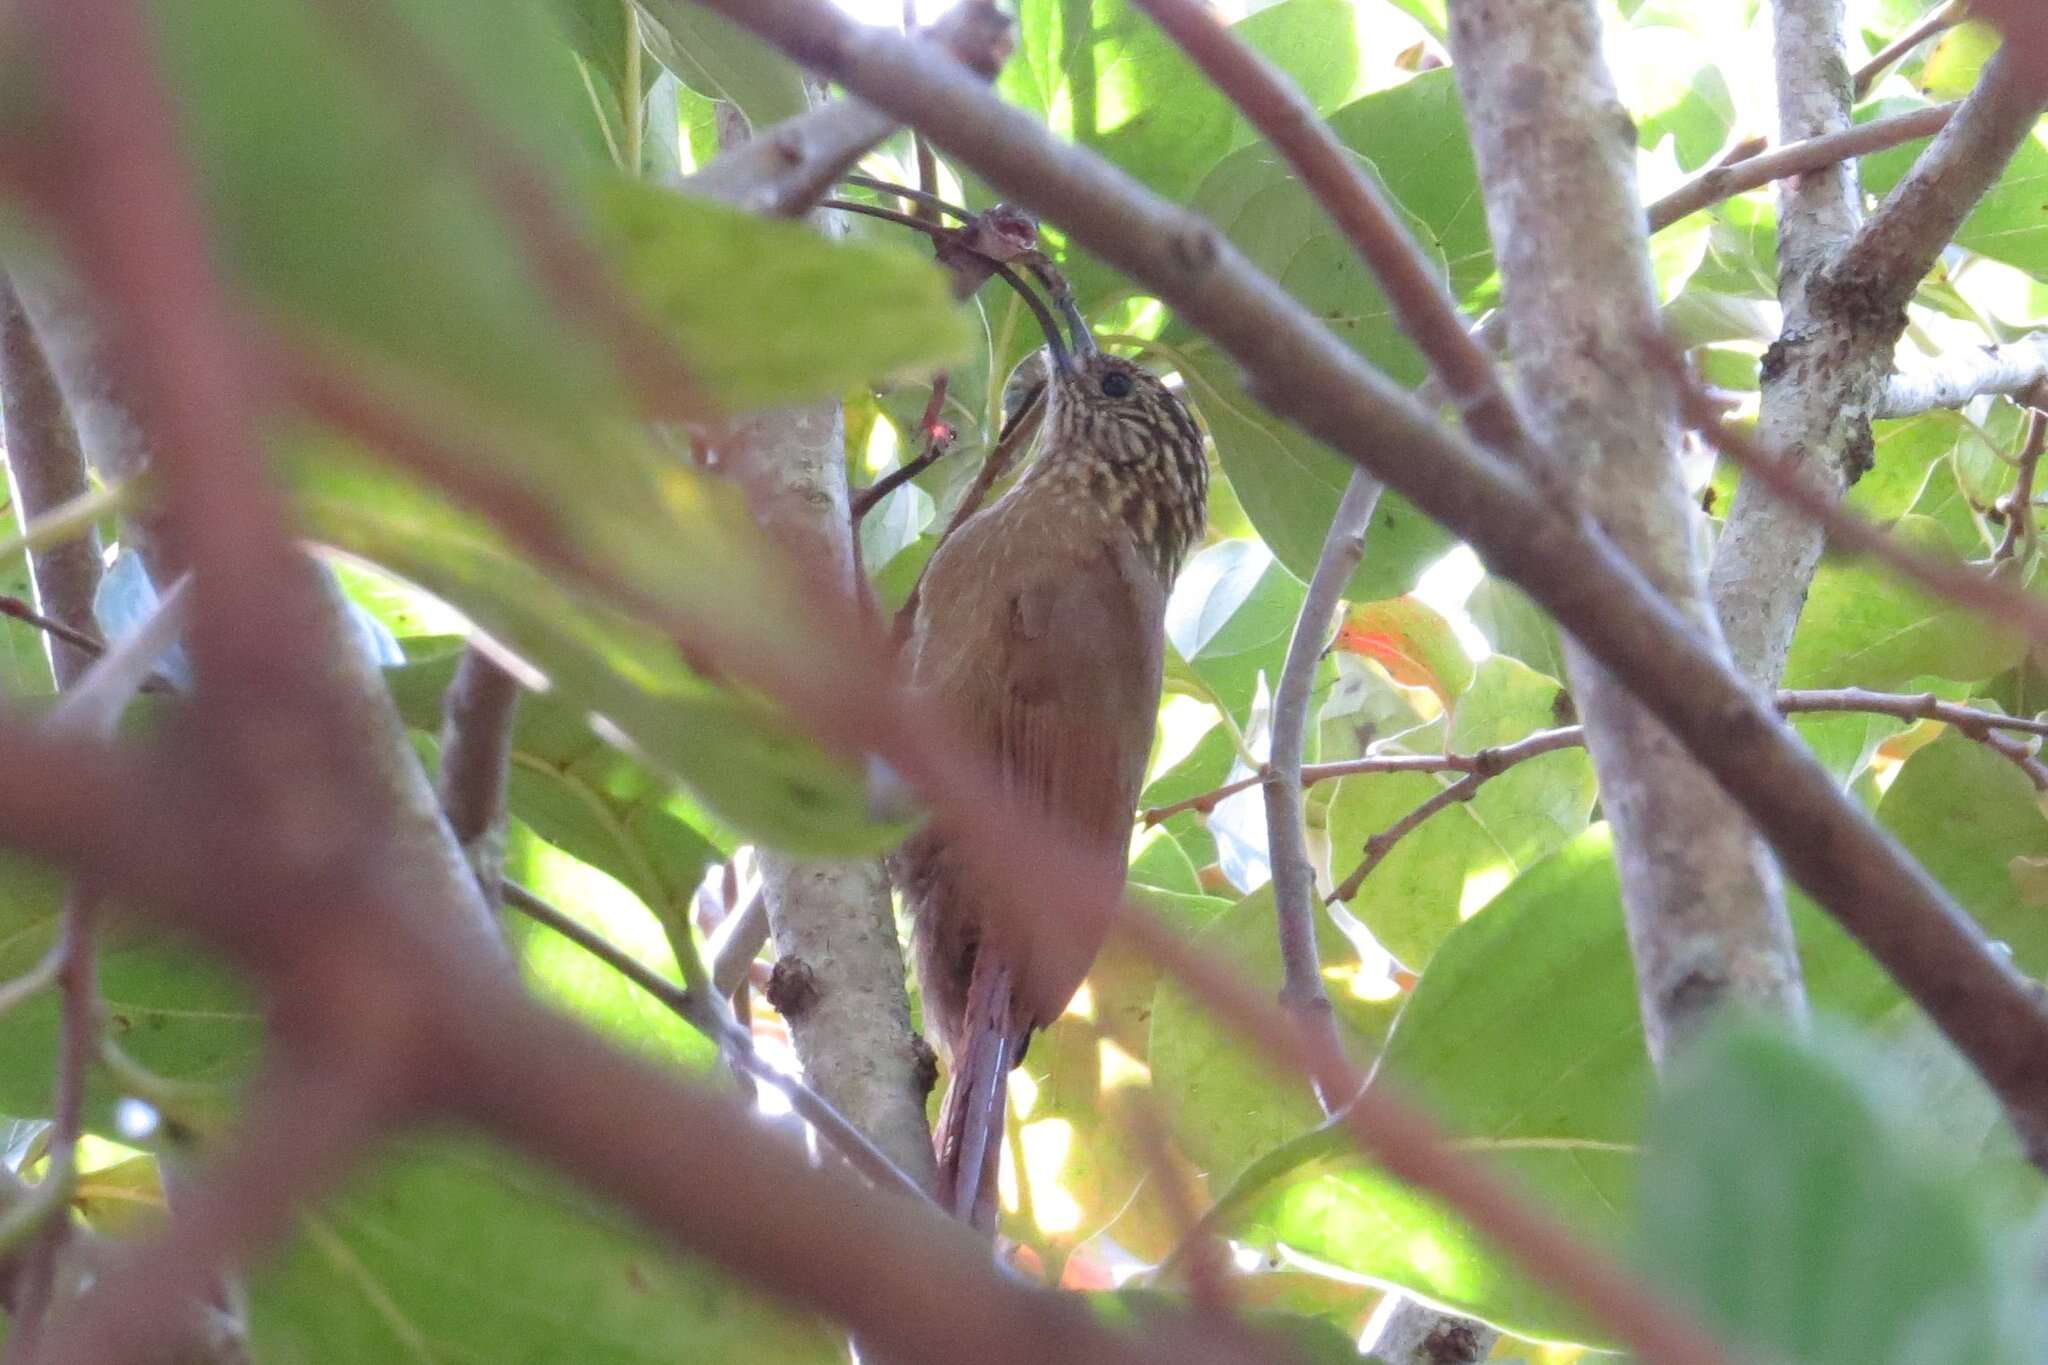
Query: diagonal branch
(1420, 300)
(1812, 154)
(1886, 260)
(1311, 379)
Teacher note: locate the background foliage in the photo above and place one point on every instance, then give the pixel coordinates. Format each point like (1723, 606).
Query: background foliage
(1484, 962)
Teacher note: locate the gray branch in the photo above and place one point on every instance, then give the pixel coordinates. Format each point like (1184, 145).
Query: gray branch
(1705, 910)
(1951, 380)
(834, 922)
(1294, 876)
(1844, 292)
(787, 169)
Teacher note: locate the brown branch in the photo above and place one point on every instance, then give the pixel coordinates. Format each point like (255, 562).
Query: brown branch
(1939, 20)
(1726, 181)
(692, 1166)
(938, 442)
(77, 1044)
(1885, 261)
(738, 1049)
(1294, 875)
(1421, 302)
(303, 1129)
(2021, 22)
(1707, 922)
(477, 712)
(47, 470)
(2018, 506)
(1844, 291)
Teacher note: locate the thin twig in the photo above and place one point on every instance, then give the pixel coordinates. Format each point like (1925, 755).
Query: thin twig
(705, 1016)
(938, 443)
(83, 641)
(1726, 181)
(1380, 845)
(944, 236)
(1940, 20)
(2018, 506)
(1294, 876)
(923, 197)
(77, 1044)
(1984, 727)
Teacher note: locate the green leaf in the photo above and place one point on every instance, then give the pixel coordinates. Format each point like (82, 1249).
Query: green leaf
(751, 768)
(1523, 1037)
(24, 660)
(1290, 484)
(1907, 454)
(1671, 92)
(718, 59)
(1966, 814)
(1412, 641)
(1231, 617)
(1221, 1098)
(449, 1250)
(1515, 626)
(1783, 1196)
(2007, 223)
(1102, 72)
(1863, 628)
(581, 794)
(1413, 139)
(1454, 863)
(571, 977)
(178, 1013)
(769, 312)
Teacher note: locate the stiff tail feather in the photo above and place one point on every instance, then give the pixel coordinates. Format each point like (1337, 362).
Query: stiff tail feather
(970, 1138)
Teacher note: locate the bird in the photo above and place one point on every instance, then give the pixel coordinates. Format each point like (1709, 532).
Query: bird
(1040, 629)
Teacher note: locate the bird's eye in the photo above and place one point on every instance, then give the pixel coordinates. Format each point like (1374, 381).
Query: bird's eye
(1116, 384)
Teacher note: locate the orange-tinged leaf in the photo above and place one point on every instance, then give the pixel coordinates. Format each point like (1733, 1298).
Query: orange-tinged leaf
(1412, 641)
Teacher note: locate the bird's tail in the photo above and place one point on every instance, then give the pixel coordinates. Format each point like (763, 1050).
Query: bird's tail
(969, 1141)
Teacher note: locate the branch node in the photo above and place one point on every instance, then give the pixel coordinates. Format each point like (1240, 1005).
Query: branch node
(792, 987)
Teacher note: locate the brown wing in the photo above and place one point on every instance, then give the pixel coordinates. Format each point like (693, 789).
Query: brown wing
(1057, 676)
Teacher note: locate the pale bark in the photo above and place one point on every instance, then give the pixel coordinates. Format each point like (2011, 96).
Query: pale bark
(852, 1028)
(1556, 152)
(1843, 288)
